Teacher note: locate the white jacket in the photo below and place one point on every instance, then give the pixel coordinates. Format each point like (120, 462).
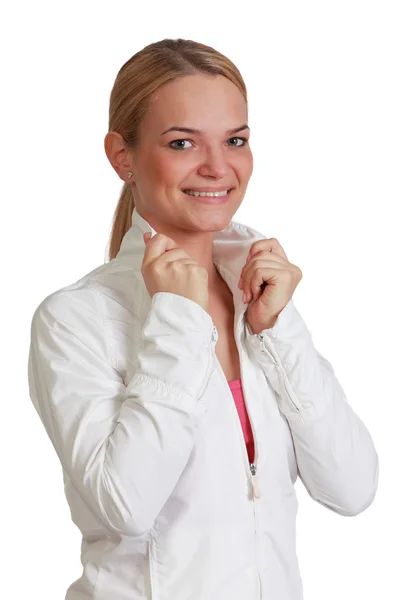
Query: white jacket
(155, 465)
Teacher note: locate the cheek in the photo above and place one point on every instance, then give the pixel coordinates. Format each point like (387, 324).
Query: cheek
(244, 166)
(157, 168)
(171, 170)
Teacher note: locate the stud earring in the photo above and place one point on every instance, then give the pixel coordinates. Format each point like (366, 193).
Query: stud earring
(129, 174)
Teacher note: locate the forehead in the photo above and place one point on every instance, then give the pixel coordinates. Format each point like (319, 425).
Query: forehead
(204, 102)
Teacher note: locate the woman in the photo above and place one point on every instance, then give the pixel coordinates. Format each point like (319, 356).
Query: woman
(143, 370)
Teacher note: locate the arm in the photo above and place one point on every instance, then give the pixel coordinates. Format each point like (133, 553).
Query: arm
(124, 448)
(337, 460)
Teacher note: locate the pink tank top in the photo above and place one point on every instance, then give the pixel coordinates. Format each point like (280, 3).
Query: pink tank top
(236, 389)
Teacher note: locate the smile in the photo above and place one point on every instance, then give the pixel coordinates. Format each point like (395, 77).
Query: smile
(209, 194)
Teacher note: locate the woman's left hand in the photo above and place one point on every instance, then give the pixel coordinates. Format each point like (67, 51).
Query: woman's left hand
(269, 280)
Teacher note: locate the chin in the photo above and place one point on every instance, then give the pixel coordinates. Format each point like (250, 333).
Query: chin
(216, 221)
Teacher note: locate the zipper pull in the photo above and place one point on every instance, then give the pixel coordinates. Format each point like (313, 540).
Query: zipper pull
(254, 481)
(256, 489)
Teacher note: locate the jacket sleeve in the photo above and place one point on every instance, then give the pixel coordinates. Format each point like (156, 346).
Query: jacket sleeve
(337, 461)
(123, 447)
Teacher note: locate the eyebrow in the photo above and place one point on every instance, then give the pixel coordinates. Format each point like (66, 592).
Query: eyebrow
(197, 132)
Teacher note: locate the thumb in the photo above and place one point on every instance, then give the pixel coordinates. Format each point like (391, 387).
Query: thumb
(148, 234)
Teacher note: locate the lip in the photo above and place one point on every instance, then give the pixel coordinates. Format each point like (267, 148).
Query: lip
(208, 189)
(210, 199)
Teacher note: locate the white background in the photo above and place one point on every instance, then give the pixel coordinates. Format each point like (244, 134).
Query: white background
(333, 111)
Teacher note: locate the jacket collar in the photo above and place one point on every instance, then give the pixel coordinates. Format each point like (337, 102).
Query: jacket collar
(230, 250)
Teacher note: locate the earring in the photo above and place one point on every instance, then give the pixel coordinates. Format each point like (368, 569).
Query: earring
(129, 174)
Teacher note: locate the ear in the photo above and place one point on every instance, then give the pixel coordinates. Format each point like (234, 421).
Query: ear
(117, 154)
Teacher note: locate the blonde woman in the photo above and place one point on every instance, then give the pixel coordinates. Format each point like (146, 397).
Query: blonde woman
(178, 383)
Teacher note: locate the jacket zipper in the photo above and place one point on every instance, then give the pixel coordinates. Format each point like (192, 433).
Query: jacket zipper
(212, 342)
(269, 350)
(253, 470)
(252, 465)
(255, 495)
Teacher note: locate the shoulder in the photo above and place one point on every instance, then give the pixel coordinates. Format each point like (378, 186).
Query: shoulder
(85, 297)
(75, 307)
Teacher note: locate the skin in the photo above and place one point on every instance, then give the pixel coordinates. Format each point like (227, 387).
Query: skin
(213, 105)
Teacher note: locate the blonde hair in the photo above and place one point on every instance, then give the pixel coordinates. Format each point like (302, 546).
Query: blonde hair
(136, 81)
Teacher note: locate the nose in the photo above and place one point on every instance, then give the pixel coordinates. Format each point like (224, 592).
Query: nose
(214, 165)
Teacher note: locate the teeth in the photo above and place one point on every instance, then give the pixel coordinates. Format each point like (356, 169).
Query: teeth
(216, 194)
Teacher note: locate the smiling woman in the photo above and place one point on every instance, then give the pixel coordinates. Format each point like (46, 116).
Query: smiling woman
(176, 87)
(181, 416)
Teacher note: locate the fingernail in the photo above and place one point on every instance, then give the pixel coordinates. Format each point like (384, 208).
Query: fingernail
(240, 282)
(244, 297)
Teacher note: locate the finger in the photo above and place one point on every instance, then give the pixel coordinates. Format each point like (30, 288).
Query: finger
(261, 256)
(258, 284)
(270, 245)
(156, 246)
(265, 254)
(258, 273)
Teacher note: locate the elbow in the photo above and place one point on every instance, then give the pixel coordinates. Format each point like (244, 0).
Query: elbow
(120, 511)
(347, 506)
(124, 524)
(349, 497)
(124, 518)
(369, 489)
(359, 508)
(355, 500)
(364, 500)
(354, 508)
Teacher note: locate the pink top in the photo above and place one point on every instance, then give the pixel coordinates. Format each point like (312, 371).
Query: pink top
(236, 389)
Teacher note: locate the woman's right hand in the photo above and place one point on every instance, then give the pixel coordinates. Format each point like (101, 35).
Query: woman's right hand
(168, 268)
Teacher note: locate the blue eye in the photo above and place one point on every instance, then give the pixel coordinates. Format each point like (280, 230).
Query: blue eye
(174, 143)
(178, 147)
(242, 139)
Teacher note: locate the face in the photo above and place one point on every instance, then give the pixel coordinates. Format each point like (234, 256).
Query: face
(215, 156)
